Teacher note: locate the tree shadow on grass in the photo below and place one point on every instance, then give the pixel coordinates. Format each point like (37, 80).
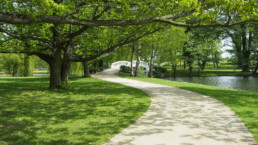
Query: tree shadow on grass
(87, 112)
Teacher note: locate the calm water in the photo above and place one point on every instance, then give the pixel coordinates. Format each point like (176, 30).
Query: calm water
(234, 82)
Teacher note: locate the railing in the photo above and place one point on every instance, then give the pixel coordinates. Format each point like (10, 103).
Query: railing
(127, 63)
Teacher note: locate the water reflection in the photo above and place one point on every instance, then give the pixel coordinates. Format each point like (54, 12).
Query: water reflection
(234, 82)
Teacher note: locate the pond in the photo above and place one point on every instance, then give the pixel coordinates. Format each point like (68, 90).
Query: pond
(234, 82)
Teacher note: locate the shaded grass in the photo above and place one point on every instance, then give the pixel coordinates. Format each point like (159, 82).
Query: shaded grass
(91, 111)
(243, 103)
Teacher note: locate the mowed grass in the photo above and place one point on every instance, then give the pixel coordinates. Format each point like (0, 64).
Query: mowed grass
(213, 72)
(90, 111)
(243, 103)
(41, 72)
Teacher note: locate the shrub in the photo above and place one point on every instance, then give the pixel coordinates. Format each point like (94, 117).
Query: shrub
(142, 71)
(160, 72)
(125, 69)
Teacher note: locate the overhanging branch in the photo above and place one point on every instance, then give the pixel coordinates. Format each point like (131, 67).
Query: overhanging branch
(111, 49)
(24, 19)
(22, 37)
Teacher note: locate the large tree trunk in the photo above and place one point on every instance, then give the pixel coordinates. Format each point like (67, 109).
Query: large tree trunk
(86, 69)
(151, 61)
(65, 69)
(55, 70)
(55, 75)
(137, 71)
(132, 57)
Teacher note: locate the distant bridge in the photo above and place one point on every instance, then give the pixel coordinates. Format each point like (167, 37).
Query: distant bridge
(127, 63)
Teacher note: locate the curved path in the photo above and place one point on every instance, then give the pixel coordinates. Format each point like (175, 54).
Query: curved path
(179, 117)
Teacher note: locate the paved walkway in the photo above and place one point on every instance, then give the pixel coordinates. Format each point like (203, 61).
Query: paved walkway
(180, 117)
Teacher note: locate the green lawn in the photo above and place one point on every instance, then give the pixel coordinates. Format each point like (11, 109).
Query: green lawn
(41, 72)
(224, 70)
(91, 111)
(213, 72)
(243, 103)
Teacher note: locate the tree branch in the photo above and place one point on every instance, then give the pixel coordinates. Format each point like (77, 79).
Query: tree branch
(95, 17)
(22, 37)
(24, 19)
(180, 24)
(111, 49)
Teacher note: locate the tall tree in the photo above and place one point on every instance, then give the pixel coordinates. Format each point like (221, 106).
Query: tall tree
(242, 40)
(86, 69)
(152, 61)
(137, 70)
(132, 59)
(50, 29)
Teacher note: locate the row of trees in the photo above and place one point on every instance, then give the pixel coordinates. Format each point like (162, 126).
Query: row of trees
(244, 38)
(14, 64)
(188, 47)
(61, 32)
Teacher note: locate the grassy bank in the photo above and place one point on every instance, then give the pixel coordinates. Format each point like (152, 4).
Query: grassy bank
(213, 72)
(91, 111)
(243, 103)
(223, 70)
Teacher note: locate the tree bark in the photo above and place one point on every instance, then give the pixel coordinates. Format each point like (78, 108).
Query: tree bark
(190, 69)
(238, 48)
(137, 71)
(55, 75)
(101, 65)
(132, 57)
(65, 69)
(95, 66)
(246, 54)
(151, 61)
(86, 69)
(174, 70)
(203, 64)
(55, 70)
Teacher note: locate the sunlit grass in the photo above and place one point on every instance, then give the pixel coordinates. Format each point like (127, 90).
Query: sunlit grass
(243, 103)
(213, 72)
(41, 72)
(90, 111)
